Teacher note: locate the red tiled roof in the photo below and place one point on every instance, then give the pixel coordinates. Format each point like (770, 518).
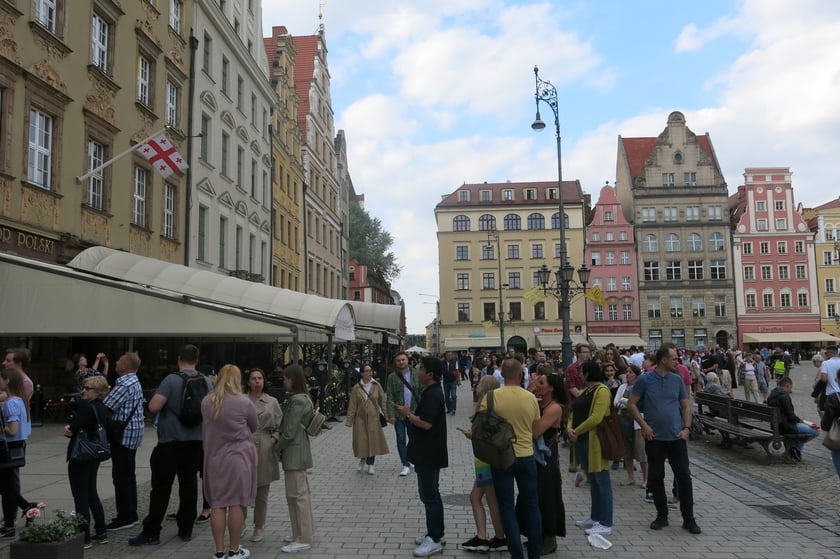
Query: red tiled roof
(639, 149)
(270, 43)
(830, 205)
(307, 49)
(572, 193)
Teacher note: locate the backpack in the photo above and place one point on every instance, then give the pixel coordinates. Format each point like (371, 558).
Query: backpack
(493, 437)
(193, 392)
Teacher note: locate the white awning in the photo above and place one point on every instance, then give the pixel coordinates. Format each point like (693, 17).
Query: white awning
(621, 341)
(458, 344)
(41, 299)
(301, 308)
(788, 337)
(376, 316)
(555, 341)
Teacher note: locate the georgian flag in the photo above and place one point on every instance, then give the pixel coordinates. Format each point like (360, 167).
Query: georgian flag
(162, 155)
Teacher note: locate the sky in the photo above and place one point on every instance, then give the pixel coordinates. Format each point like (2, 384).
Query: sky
(438, 93)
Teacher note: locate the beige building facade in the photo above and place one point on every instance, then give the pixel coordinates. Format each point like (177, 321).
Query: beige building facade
(492, 239)
(73, 95)
(824, 221)
(672, 190)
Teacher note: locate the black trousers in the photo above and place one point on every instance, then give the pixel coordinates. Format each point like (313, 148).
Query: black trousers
(82, 476)
(181, 459)
(10, 490)
(123, 475)
(676, 453)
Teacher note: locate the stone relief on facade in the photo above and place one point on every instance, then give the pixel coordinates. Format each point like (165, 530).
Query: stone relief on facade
(39, 207)
(8, 45)
(99, 100)
(5, 195)
(46, 72)
(96, 227)
(177, 59)
(146, 27)
(139, 242)
(51, 48)
(169, 251)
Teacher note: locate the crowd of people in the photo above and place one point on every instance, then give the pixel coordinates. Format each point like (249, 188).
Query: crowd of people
(227, 431)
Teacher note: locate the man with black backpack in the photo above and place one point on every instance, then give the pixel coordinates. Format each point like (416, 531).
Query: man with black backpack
(178, 452)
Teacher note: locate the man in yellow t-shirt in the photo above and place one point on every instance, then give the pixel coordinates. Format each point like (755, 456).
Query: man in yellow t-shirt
(520, 408)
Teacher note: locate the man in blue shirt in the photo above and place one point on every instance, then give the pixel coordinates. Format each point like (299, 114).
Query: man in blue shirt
(665, 425)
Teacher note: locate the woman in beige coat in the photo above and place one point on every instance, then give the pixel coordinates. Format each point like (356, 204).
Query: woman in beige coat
(367, 401)
(269, 416)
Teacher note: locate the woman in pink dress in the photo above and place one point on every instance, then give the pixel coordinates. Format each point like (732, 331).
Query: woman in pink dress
(230, 459)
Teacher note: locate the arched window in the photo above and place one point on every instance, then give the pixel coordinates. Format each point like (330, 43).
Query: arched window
(513, 222)
(672, 243)
(487, 223)
(555, 221)
(650, 244)
(694, 243)
(461, 223)
(536, 221)
(715, 241)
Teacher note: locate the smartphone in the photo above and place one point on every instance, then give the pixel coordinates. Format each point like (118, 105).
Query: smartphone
(461, 429)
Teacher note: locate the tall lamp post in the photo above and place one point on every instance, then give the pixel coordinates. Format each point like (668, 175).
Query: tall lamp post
(436, 322)
(563, 289)
(500, 315)
(547, 93)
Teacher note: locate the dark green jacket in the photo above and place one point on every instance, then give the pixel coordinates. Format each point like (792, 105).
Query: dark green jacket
(293, 447)
(394, 393)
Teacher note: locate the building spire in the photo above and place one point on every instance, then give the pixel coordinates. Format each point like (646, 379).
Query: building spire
(321, 5)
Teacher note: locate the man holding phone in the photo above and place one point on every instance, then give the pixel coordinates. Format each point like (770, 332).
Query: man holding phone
(401, 390)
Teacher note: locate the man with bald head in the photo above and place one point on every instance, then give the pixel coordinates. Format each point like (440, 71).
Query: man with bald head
(520, 408)
(126, 404)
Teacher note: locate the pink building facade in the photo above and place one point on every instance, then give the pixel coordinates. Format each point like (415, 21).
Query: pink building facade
(611, 254)
(775, 271)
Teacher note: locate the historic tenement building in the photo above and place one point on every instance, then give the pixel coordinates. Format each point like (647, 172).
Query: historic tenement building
(672, 190)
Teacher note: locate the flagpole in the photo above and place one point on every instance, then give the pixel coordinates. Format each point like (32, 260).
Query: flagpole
(118, 156)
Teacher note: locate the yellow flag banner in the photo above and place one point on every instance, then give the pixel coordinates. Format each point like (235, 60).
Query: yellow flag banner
(534, 295)
(487, 324)
(596, 296)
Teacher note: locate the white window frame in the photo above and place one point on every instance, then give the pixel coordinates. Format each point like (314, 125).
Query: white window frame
(144, 79)
(175, 15)
(46, 12)
(169, 194)
(99, 40)
(173, 97)
(142, 178)
(40, 158)
(95, 195)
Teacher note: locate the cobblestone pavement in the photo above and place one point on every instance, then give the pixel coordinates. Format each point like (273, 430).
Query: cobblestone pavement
(746, 508)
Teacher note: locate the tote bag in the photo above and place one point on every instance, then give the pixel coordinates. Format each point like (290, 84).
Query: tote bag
(832, 437)
(86, 449)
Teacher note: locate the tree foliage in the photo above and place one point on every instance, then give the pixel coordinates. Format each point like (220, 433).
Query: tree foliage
(370, 244)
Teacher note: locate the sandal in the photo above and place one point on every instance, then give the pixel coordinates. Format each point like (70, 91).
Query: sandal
(628, 482)
(202, 518)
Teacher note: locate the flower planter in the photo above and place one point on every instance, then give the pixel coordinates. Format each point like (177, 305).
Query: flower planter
(73, 548)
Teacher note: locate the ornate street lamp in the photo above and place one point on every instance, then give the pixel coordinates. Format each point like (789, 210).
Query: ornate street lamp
(493, 234)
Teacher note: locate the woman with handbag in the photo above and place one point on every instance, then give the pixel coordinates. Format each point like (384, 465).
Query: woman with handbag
(296, 455)
(367, 402)
(269, 416)
(588, 411)
(831, 425)
(82, 469)
(16, 428)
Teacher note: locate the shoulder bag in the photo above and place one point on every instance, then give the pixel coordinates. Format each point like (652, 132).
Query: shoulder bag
(86, 449)
(116, 429)
(12, 453)
(832, 437)
(609, 434)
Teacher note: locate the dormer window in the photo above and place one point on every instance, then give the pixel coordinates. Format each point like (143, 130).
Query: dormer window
(552, 194)
(463, 195)
(530, 194)
(507, 194)
(486, 196)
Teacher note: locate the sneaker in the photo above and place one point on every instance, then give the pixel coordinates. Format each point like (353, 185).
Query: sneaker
(796, 454)
(7, 532)
(116, 525)
(579, 479)
(585, 523)
(599, 528)
(428, 547)
(648, 497)
(143, 539)
(405, 471)
(691, 526)
(659, 522)
(295, 547)
(100, 538)
(219, 555)
(496, 544)
(240, 553)
(421, 538)
(288, 539)
(371, 470)
(88, 544)
(476, 544)
(361, 465)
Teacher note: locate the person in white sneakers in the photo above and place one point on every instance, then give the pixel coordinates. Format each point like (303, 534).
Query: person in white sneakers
(367, 402)
(402, 388)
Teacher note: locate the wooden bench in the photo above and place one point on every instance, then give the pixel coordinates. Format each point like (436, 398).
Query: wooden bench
(744, 422)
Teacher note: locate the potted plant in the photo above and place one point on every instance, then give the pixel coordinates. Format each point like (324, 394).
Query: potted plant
(60, 538)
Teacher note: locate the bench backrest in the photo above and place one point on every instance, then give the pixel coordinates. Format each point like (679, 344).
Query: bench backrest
(754, 410)
(719, 404)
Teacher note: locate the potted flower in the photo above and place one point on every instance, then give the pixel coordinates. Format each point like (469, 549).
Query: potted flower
(60, 538)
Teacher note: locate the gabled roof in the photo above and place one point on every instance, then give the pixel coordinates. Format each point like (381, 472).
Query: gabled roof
(270, 44)
(638, 150)
(830, 205)
(572, 193)
(307, 50)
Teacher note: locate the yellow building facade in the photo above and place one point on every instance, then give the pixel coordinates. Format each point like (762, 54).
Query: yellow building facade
(824, 220)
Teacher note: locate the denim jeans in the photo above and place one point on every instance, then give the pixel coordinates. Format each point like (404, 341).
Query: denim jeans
(427, 487)
(600, 488)
(450, 392)
(400, 426)
(804, 429)
(835, 457)
(676, 452)
(524, 472)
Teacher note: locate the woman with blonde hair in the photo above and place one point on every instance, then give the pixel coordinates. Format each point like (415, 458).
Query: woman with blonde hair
(90, 416)
(483, 488)
(269, 416)
(367, 402)
(230, 459)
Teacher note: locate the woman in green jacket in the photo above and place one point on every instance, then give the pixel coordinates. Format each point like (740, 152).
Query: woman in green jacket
(296, 457)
